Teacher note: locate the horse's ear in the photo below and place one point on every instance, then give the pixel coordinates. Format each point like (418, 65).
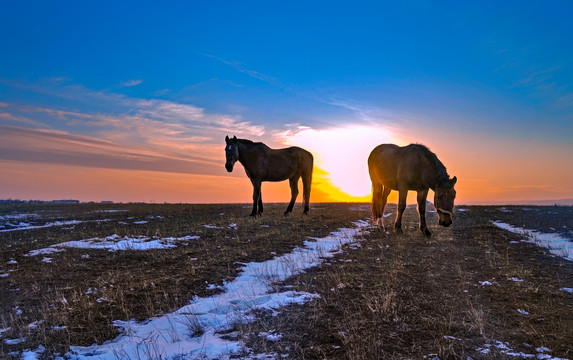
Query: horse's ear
(454, 181)
(234, 138)
(227, 138)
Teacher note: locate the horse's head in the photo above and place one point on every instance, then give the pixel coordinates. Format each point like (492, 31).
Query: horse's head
(231, 152)
(444, 196)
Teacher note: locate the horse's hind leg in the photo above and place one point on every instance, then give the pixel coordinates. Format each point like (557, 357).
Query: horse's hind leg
(306, 184)
(422, 195)
(260, 209)
(402, 194)
(256, 197)
(293, 193)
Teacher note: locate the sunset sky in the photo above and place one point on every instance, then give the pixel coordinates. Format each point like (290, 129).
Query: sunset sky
(131, 101)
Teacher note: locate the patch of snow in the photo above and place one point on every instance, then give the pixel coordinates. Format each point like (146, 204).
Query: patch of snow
(271, 335)
(12, 261)
(556, 244)
(515, 279)
(26, 226)
(462, 209)
(14, 341)
(522, 312)
(44, 251)
(140, 222)
(214, 287)
(18, 216)
(116, 243)
(505, 349)
(32, 354)
(34, 325)
(173, 335)
(208, 226)
(566, 289)
(448, 337)
(91, 291)
(485, 283)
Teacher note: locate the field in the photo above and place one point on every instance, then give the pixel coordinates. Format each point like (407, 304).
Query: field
(73, 275)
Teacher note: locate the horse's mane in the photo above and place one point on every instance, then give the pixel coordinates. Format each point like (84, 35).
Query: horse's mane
(441, 171)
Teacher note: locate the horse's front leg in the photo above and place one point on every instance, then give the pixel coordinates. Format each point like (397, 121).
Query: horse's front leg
(422, 195)
(402, 194)
(256, 196)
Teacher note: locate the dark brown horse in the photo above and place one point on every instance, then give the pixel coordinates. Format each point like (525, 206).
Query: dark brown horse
(262, 163)
(412, 167)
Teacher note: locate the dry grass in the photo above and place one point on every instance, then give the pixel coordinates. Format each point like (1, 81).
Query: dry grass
(402, 297)
(393, 297)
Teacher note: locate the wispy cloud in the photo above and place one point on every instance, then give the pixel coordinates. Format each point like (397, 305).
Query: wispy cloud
(244, 69)
(126, 132)
(7, 117)
(57, 147)
(131, 83)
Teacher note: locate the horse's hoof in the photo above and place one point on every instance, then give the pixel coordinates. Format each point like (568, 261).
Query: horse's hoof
(427, 233)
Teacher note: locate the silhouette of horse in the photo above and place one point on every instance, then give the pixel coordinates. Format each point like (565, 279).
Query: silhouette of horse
(262, 163)
(412, 167)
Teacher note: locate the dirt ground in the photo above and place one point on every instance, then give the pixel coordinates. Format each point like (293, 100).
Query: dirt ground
(471, 291)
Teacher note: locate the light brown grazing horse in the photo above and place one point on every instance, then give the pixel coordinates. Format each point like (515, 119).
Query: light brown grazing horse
(412, 167)
(262, 163)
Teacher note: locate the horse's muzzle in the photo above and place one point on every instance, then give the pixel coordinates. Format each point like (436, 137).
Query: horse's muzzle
(229, 167)
(445, 223)
(444, 217)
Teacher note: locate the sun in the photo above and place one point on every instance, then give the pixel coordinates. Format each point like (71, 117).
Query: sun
(342, 152)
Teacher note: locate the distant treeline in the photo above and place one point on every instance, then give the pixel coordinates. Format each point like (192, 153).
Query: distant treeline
(16, 201)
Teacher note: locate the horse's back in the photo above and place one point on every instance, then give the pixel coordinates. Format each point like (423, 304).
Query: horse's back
(302, 156)
(392, 165)
(282, 164)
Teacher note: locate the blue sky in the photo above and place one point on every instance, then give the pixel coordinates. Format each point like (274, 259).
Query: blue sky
(188, 72)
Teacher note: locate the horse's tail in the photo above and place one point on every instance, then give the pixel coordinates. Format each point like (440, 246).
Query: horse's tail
(376, 195)
(307, 183)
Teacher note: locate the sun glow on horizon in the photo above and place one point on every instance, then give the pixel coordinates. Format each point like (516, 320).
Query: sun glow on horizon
(342, 154)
